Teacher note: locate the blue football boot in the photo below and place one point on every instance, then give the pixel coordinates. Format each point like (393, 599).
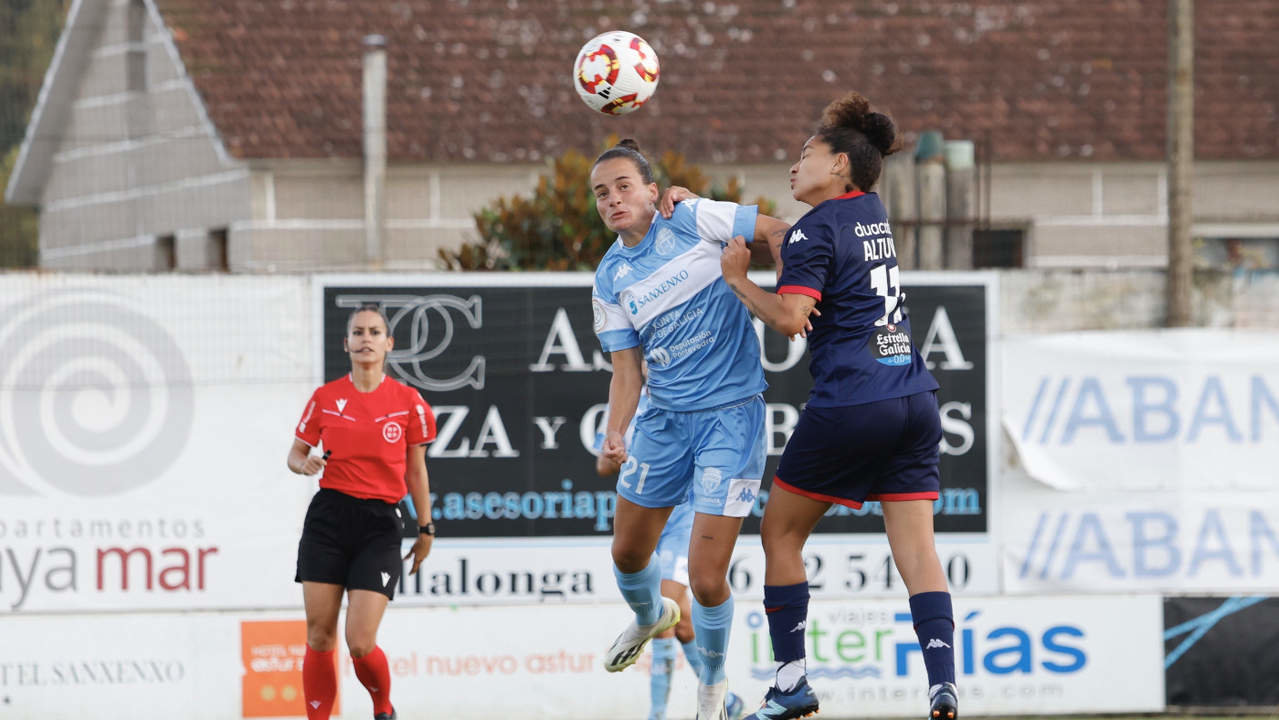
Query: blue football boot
(800, 702)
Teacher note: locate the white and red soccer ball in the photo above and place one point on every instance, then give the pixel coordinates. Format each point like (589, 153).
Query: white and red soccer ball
(615, 72)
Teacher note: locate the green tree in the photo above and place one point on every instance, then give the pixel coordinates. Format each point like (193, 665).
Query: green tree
(558, 227)
(28, 35)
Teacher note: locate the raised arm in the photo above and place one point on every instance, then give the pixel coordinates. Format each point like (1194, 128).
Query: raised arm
(787, 313)
(767, 244)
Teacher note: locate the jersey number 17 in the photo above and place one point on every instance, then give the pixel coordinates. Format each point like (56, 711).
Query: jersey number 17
(886, 281)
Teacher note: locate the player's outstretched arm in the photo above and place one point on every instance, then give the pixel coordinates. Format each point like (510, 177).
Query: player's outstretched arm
(787, 314)
(766, 246)
(419, 485)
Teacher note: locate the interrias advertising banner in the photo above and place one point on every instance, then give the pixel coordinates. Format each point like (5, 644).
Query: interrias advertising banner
(1144, 461)
(1037, 656)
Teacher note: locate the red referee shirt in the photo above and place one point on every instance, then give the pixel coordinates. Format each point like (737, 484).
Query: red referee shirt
(367, 434)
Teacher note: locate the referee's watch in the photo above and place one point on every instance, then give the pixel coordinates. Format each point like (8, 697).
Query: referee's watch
(427, 529)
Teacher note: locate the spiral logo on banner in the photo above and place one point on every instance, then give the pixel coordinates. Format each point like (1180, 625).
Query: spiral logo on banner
(95, 397)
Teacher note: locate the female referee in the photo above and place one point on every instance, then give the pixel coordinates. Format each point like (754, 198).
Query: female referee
(374, 432)
(870, 430)
(659, 296)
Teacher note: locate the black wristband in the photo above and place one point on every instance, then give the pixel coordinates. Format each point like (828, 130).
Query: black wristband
(427, 529)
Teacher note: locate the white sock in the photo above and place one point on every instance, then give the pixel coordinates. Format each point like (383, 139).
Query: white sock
(789, 674)
(710, 700)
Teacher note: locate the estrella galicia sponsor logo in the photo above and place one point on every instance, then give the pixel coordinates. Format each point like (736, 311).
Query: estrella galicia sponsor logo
(890, 345)
(638, 302)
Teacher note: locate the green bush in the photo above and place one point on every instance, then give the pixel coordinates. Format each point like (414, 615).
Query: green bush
(558, 227)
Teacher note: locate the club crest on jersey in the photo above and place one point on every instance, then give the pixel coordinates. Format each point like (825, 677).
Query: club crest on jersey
(665, 243)
(341, 404)
(392, 432)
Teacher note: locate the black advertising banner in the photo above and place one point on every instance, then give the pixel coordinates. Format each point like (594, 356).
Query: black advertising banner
(518, 384)
(1221, 651)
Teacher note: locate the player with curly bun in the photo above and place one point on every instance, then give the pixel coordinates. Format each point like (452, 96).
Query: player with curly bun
(870, 429)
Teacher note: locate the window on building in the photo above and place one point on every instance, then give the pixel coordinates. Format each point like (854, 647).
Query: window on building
(219, 260)
(166, 252)
(996, 248)
(1241, 254)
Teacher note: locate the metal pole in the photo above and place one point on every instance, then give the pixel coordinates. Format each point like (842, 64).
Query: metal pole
(374, 148)
(1181, 155)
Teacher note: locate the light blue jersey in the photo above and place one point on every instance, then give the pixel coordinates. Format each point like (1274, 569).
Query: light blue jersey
(667, 295)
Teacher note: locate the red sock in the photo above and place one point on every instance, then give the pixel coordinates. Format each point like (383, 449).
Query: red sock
(376, 678)
(319, 683)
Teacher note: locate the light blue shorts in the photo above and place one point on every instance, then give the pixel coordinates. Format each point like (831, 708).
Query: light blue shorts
(720, 453)
(672, 546)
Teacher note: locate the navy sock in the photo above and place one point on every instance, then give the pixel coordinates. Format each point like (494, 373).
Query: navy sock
(787, 609)
(935, 626)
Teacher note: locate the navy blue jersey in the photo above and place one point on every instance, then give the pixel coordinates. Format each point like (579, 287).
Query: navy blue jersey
(841, 253)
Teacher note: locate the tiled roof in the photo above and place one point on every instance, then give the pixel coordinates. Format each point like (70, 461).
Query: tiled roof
(742, 81)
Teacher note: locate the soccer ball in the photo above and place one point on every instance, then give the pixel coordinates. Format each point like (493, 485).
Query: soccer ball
(615, 72)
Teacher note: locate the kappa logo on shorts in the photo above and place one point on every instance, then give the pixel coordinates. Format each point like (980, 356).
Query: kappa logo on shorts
(392, 432)
(742, 493)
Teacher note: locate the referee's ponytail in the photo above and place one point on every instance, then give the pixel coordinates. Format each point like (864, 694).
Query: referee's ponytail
(849, 126)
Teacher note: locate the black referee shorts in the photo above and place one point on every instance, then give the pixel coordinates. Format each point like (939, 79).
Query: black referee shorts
(350, 542)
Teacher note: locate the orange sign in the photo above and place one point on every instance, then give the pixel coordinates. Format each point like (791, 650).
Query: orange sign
(272, 652)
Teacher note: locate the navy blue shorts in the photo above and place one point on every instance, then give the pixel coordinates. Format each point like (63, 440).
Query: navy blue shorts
(885, 450)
